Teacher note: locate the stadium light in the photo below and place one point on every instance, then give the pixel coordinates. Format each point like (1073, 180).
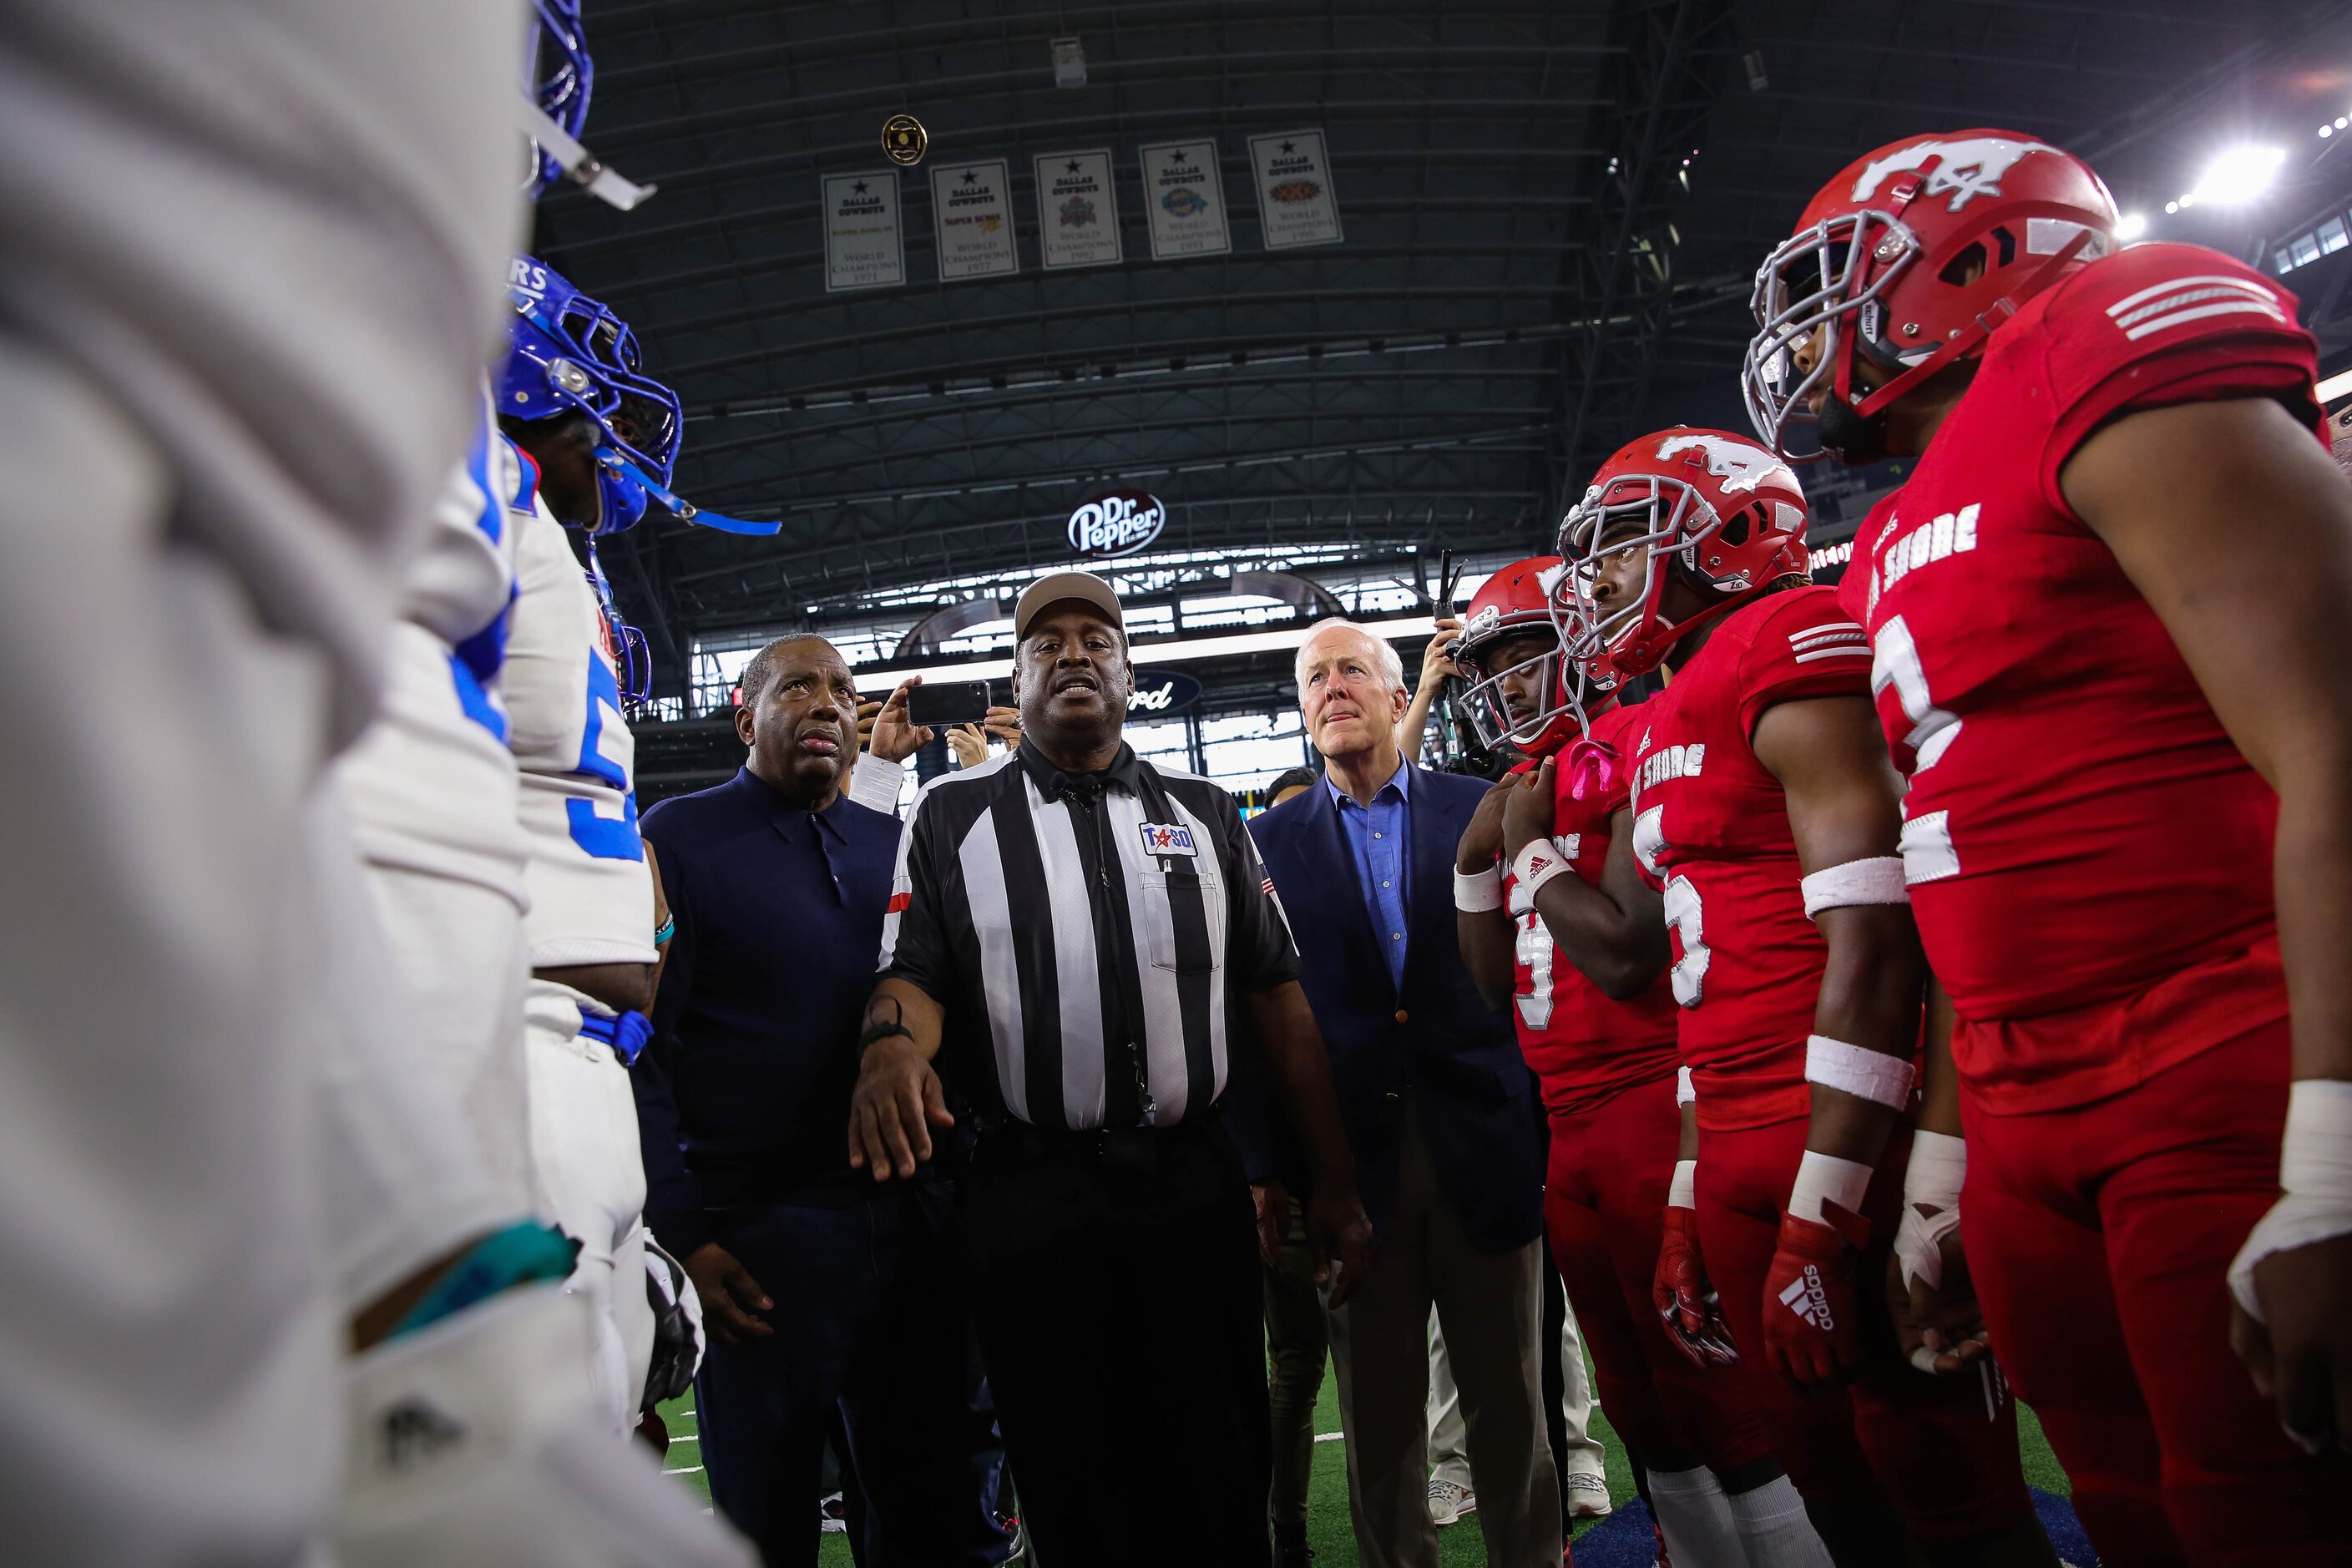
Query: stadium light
(2172, 206)
(2131, 225)
(2238, 176)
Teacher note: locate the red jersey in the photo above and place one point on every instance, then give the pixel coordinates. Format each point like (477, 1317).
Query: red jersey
(1582, 1047)
(1711, 825)
(2079, 830)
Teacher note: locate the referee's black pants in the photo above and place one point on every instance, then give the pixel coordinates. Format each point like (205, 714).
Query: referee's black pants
(1115, 1281)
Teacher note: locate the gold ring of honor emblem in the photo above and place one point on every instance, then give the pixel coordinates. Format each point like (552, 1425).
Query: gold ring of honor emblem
(904, 140)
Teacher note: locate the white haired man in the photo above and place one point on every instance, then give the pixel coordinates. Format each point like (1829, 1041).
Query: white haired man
(1439, 1109)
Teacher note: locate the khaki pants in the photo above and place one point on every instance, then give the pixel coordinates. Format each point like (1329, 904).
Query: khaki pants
(1491, 1307)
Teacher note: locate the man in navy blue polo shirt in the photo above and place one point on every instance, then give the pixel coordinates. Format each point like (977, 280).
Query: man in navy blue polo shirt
(822, 1292)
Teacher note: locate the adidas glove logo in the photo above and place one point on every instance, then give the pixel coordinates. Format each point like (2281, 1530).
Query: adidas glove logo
(1805, 1297)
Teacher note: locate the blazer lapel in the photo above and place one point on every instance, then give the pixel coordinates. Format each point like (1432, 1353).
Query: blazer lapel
(1328, 844)
(1437, 828)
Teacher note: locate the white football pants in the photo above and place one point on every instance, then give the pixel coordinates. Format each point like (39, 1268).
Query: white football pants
(584, 1134)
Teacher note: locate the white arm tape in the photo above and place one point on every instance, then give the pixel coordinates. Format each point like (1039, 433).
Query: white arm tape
(1681, 1192)
(1685, 1092)
(1940, 1163)
(1538, 863)
(1826, 1177)
(1878, 880)
(1476, 892)
(2315, 1170)
(874, 784)
(1867, 1075)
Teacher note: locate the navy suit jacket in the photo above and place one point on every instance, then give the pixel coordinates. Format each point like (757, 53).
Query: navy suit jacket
(1437, 1042)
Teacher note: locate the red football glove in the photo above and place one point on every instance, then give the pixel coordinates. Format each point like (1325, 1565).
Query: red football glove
(1686, 1303)
(1811, 1309)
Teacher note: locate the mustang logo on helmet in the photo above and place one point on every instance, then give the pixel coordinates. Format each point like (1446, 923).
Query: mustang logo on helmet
(1741, 466)
(1969, 168)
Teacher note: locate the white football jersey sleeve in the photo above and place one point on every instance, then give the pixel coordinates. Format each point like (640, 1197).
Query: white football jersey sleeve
(591, 894)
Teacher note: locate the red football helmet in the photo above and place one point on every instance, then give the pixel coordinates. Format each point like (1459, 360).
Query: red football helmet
(1883, 258)
(1730, 513)
(1515, 602)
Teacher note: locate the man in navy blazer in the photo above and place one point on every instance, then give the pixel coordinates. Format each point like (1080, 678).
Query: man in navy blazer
(1437, 1104)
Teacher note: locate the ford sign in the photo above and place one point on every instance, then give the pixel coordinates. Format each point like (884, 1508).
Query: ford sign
(1171, 691)
(1117, 522)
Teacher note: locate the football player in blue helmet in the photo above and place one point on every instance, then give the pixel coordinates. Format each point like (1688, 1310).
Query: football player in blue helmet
(558, 77)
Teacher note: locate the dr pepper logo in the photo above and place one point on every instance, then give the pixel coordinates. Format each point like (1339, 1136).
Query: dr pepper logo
(1117, 522)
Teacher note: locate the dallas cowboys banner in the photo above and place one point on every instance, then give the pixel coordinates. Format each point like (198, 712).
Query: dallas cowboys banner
(1296, 204)
(1185, 200)
(972, 212)
(862, 245)
(1077, 213)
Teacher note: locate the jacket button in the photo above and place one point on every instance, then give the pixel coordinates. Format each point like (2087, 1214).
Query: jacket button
(1391, 1095)
(1401, 1017)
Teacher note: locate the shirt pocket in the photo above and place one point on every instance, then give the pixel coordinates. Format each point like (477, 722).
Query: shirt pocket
(1171, 937)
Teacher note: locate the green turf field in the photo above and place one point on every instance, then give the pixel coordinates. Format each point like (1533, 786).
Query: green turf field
(1326, 1524)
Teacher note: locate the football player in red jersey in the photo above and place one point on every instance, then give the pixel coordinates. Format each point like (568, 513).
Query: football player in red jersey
(2108, 614)
(1763, 806)
(1603, 1047)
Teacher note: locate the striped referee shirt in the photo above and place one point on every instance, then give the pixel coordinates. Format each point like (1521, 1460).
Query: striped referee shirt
(1088, 935)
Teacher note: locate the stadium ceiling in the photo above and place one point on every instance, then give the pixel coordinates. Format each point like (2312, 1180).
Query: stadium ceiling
(1530, 265)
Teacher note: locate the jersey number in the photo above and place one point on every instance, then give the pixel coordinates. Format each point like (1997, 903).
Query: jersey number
(1928, 852)
(605, 838)
(1685, 918)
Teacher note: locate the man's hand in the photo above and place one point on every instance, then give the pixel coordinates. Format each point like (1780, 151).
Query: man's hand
(1481, 841)
(731, 1297)
(894, 737)
(1937, 1321)
(1272, 1201)
(969, 746)
(1339, 1238)
(1002, 725)
(2301, 1352)
(1437, 665)
(892, 1110)
(1530, 810)
(1685, 1300)
(1811, 1306)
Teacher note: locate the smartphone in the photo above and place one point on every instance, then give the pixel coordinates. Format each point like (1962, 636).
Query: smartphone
(947, 703)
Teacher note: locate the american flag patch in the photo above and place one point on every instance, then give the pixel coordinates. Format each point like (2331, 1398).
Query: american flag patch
(2164, 306)
(1831, 639)
(1266, 886)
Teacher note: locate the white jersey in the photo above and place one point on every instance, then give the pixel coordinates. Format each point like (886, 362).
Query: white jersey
(431, 786)
(592, 896)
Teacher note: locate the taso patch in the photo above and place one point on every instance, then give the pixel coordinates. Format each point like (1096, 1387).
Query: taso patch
(1166, 838)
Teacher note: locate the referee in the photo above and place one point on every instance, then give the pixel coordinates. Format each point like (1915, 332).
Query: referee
(1079, 936)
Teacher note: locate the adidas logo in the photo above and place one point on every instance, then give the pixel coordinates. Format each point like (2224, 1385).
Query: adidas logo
(1805, 1297)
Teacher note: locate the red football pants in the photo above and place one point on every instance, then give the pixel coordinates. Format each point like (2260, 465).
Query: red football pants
(1943, 1450)
(2100, 1239)
(1604, 1203)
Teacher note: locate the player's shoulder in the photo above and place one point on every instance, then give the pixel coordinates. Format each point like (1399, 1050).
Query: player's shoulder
(1795, 630)
(519, 476)
(2145, 300)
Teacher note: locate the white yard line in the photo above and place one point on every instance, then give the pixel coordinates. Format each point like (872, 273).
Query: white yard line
(690, 1471)
(1319, 1437)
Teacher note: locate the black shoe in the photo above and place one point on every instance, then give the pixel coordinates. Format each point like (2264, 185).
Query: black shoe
(1298, 1556)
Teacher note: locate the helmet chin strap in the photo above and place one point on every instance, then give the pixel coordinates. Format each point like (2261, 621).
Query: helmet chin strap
(685, 510)
(1855, 437)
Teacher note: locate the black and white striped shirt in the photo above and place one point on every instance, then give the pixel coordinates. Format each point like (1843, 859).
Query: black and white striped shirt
(1088, 935)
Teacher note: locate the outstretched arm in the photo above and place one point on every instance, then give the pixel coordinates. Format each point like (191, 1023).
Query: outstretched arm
(2236, 526)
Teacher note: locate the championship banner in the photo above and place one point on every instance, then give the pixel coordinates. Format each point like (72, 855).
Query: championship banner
(1077, 212)
(1296, 204)
(1185, 200)
(972, 211)
(862, 245)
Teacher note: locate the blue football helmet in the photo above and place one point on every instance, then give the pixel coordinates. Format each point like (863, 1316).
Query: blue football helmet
(569, 351)
(559, 76)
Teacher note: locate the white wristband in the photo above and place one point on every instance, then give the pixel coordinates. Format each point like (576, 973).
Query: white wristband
(1686, 1093)
(1681, 1192)
(1476, 892)
(1536, 864)
(1866, 1074)
(1940, 1164)
(1878, 880)
(1825, 1177)
(2315, 1170)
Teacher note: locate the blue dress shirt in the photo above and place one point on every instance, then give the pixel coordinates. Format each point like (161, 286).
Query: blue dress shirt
(1380, 835)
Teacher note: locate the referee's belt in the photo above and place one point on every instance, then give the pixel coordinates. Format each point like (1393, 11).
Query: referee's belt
(1135, 1147)
(627, 1033)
